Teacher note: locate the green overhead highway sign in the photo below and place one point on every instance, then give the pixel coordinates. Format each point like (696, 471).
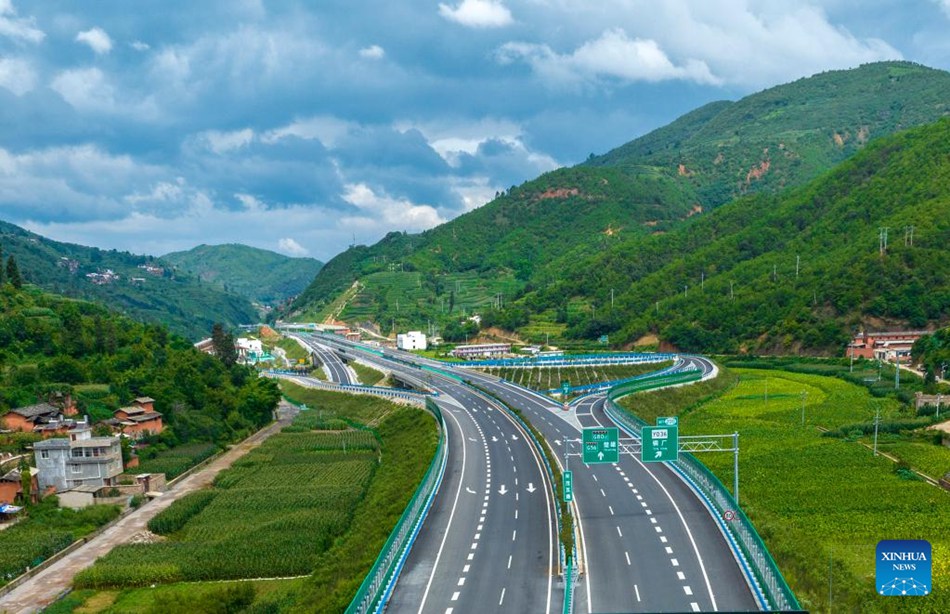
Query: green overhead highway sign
(565, 387)
(568, 478)
(659, 443)
(601, 445)
(671, 421)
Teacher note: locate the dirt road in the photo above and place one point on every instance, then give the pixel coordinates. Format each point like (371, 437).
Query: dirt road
(43, 588)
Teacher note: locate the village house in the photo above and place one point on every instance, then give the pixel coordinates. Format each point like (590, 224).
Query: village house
(80, 460)
(11, 487)
(888, 346)
(138, 420)
(37, 418)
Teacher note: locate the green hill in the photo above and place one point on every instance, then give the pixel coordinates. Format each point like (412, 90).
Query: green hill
(258, 275)
(531, 236)
(796, 270)
(142, 287)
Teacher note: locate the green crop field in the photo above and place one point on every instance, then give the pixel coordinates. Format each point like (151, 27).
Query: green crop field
(175, 461)
(44, 531)
(549, 378)
(317, 500)
(821, 503)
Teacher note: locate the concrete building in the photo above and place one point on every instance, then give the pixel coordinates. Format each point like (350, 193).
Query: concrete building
(413, 340)
(481, 350)
(80, 460)
(889, 346)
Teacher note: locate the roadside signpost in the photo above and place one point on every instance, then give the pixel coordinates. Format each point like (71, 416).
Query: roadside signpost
(601, 445)
(568, 479)
(565, 387)
(668, 421)
(659, 444)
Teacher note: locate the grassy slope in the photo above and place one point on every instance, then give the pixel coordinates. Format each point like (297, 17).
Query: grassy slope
(814, 499)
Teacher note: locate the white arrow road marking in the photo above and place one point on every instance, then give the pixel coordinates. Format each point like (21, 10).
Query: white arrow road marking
(514, 437)
(502, 490)
(469, 490)
(472, 439)
(493, 438)
(557, 441)
(531, 487)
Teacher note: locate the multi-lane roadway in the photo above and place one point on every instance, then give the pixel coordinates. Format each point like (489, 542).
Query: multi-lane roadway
(647, 541)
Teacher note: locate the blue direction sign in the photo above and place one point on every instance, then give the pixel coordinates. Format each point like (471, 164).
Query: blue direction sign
(659, 443)
(601, 445)
(568, 479)
(668, 421)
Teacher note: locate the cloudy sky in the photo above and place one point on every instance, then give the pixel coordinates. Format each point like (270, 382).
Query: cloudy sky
(154, 126)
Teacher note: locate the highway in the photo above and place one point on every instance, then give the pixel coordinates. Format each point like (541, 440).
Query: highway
(335, 368)
(489, 542)
(648, 544)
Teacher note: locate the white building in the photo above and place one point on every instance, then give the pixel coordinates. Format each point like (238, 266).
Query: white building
(413, 340)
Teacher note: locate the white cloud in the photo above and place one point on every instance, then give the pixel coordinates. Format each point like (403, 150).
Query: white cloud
(613, 55)
(388, 212)
(478, 13)
(225, 142)
(324, 128)
(17, 75)
(373, 52)
(97, 39)
(139, 46)
(292, 248)
(945, 5)
(86, 89)
(17, 28)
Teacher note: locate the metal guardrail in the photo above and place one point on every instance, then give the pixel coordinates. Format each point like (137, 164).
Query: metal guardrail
(379, 391)
(378, 585)
(742, 533)
(602, 386)
(575, 359)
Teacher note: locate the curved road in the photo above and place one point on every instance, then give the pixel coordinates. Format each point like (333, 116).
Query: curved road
(489, 542)
(648, 543)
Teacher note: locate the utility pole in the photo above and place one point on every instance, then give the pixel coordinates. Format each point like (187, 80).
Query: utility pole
(908, 236)
(798, 261)
(702, 281)
(611, 299)
(685, 291)
(877, 420)
(731, 294)
(882, 240)
(658, 307)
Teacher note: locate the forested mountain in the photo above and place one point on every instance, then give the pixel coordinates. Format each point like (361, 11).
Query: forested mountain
(142, 287)
(261, 276)
(530, 235)
(780, 272)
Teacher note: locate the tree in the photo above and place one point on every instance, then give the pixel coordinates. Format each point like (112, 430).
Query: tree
(223, 344)
(26, 482)
(13, 273)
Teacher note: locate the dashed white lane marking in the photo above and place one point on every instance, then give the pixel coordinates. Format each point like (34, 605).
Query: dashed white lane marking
(627, 554)
(663, 539)
(474, 545)
(482, 519)
(516, 481)
(595, 477)
(466, 568)
(509, 561)
(479, 528)
(611, 508)
(478, 536)
(461, 581)
(514, 534)
(635, 491)
(669, 550)
(639, 498)
(643, 503)
(675, 562)
(687, 590)
(695, 606)
(455, 596)
(602, 492)
(502, 599)
(471, 555)
(516, 514)
(653, 520)
(658, 529)
(648, 512)
(618, 531)
(448, 610)
(680, 575)
(637, 590)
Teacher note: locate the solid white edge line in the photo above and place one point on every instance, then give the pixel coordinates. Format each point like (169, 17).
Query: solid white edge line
(448, 526)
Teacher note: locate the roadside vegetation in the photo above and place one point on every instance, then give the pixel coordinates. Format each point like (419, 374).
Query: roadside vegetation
(550, 378)
(367, 375)
(47, 530)
(318, 500)
(821, 503)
